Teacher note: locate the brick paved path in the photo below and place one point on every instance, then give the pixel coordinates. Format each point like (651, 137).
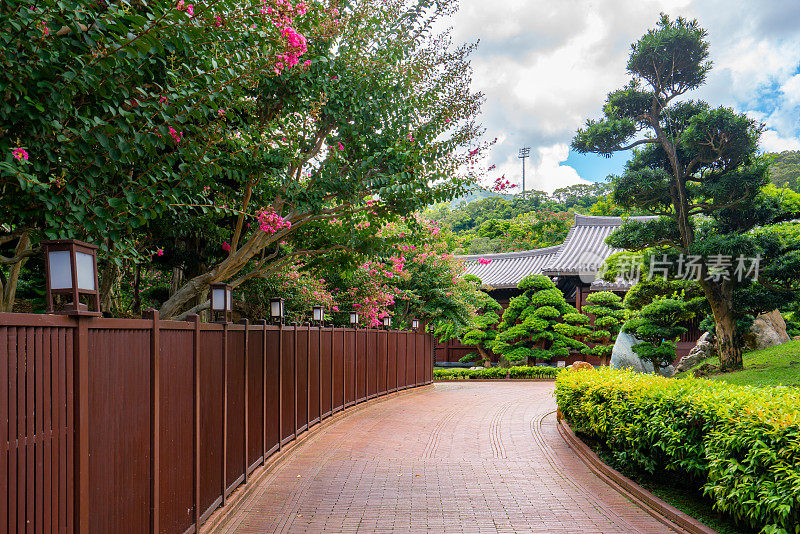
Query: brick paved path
(462, 457)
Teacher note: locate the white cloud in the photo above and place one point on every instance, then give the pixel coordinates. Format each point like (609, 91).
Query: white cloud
(771, 141)
(545, 67)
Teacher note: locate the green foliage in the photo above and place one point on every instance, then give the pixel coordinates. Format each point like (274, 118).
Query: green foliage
(740, 444)
(539, 324)
(469, 358)
(520, 372)
(529, 220)
(784, 169)
(698, 168)
(658, 326)
(606, 307)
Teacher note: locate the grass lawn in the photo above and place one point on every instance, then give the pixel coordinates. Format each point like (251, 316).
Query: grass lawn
(774, 366)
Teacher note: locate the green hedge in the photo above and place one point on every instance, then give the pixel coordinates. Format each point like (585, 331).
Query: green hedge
(495, 373)
(740, 444)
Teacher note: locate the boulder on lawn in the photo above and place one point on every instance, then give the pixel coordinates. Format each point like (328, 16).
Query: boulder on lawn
(577, 366)
(703, 349)
(768, 330)
(623, 357)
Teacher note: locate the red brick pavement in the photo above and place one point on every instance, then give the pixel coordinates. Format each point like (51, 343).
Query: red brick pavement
(460, 457)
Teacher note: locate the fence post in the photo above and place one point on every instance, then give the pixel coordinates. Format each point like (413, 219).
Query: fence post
(280, 385)
(155, 423)
(319, 368)
(263, 324)
(81, 410)
(224, 409)
(195, 319)
(246, 323)
(296, 378)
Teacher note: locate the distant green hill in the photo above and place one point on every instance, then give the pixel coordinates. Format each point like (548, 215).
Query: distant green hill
(785, 170)
(477, 194)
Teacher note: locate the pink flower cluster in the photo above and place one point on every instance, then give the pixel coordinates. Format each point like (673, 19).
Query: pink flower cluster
(270, 222)
(501, 184)
(484, 261)
(189, 8)
(226, 246)
(176, 136)
(20, 154)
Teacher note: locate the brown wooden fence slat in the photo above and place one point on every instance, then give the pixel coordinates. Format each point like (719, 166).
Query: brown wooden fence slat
(5, 421)
(114, 425)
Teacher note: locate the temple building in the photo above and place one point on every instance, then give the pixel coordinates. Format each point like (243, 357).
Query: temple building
(573, 266)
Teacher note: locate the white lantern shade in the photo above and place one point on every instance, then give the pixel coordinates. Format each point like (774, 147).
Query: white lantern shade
(218, 299)
(60, 269)
(276, 308)
(387, 321)
(354, 317)
(229, 299)
(84, 265)
(318, 313)
(415, 323)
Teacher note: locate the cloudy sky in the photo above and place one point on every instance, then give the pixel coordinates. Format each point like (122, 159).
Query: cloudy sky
(545, 66)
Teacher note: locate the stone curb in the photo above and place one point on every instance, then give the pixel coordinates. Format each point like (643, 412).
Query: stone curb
(664, 512)
(239, 497)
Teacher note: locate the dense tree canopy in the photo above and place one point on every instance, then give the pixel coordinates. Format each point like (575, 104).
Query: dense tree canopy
(223, 142)
(698, 168)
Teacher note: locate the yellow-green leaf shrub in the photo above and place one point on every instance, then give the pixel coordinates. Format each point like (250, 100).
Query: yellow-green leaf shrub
(741, 444)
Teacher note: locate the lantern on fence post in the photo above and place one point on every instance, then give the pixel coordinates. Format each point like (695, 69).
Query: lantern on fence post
(387, 322)
(415, 324)
(318, 313)
(71, 271)
(222, 302)
(354, 319)
(276, 310)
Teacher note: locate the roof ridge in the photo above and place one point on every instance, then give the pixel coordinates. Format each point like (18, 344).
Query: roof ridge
(516, 254)
(607, 220)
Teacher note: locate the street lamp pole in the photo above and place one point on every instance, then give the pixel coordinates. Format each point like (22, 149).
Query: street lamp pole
(524, 153)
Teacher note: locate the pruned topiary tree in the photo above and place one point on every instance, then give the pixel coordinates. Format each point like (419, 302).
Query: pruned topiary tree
(482, 329)
(608, 312)
(657, 325)
(539, 324)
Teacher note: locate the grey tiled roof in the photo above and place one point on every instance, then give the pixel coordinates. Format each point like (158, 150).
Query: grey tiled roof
(505, 270)
(585, 249)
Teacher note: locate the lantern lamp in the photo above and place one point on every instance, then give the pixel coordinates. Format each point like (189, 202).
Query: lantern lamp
(387, 322)
(71, 271)
(222, 301)
(354, 318)
(276, 310)
(318, 313)
(415, 324)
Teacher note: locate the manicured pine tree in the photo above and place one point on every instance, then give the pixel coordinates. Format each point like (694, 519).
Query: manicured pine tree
(539, 324)
(482, 330)
(608, 316)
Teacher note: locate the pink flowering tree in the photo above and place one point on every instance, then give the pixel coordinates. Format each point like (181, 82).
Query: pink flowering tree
(114, 113)
(312, 145)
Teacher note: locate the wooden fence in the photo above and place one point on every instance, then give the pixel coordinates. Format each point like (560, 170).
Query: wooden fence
(142, 425)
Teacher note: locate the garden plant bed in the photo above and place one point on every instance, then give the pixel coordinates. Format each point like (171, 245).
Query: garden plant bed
(736, 445)
(497, 373)
(664, 496)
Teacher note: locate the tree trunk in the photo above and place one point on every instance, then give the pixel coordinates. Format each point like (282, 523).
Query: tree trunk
(720, 298)
(108, 279)
(487, 360)
(137, 296)
(8, 291)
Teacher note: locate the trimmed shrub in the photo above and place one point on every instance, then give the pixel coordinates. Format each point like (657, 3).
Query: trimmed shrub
(495, 373)
(740, 444)
(533, 372)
